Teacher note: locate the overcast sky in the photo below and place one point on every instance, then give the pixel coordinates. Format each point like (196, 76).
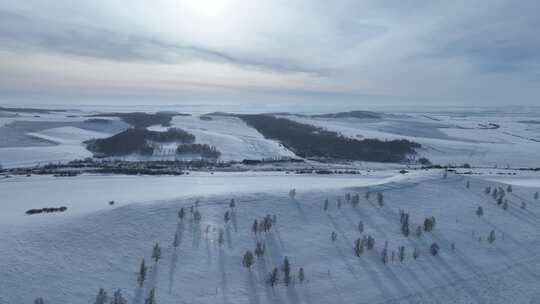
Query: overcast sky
(460, 52)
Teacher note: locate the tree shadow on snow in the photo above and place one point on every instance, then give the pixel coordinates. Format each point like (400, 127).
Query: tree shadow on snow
(228, 237)
(234, 220)
(251, 287)
(223, 274)
(172, 269)
(300, 211)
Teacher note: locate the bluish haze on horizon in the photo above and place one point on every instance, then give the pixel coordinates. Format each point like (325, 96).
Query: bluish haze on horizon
(287, 52)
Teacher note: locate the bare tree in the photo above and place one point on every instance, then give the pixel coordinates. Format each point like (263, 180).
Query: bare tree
(434, 249)
(370, 242)
(480, 211)
(286, 268)
(380, 199)
(247, 261)
(359, 247)
(260, 248)
(255, 227)
(141, 276)
(384, 253)
(274, 278)
(101, 297)
(292, 193)
(176, 241)
(197, 216)
(401, 253)
(151, 297)
(156, 253)
(220, 237)
(404, 219)
(301, 275)
(118, 298)
(491, 237)
(181, 213)
(355, 200)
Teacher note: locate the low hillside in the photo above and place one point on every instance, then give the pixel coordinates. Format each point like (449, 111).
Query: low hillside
(136, 140)
(487, 258)
(314, 142)
(350, 114)
(143, 120)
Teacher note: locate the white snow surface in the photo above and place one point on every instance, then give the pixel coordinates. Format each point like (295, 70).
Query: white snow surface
(68, 145)
(82, 194)
(66, 258)
(67, 135)
(231, 136)
(449, 138)
(65, 143)
(446, 137)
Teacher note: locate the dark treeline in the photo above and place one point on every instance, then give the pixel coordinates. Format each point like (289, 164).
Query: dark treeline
(46, 210)
(350, 114)
(313, 142)
(204, 150)
(141, 120)
(98, 121)
(30, 110)
(136, 140)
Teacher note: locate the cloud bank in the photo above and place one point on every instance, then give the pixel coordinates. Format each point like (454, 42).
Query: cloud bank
(296, 51)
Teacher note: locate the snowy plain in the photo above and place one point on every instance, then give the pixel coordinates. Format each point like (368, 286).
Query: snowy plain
(230, 135)
(90, 193)
(449, 138)
(66, 257)
(446, 137)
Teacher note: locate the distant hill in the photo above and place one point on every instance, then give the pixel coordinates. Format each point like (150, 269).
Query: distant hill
(136, 140)
(144, 120)
(350, 114)
(30, 110)
(313, 142)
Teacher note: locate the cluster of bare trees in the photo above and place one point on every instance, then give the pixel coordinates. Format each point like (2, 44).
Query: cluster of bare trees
(264, 224)
(287, 277)
(499, 195)
(142, 273)
(353, 200)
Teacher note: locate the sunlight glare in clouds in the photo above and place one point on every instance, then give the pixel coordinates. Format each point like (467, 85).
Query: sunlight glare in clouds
(208, 8)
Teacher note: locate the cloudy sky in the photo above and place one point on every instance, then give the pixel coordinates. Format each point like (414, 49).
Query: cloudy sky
(459, 52)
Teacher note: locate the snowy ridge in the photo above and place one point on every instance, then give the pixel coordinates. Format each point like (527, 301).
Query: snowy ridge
(67, 261)
(67, 135)
(449, 139)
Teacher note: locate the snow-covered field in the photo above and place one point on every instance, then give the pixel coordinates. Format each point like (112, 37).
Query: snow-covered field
(66, 258)
(90, 193)
(482, 138)
(452, 138)
(28, 139)
(230, 135)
